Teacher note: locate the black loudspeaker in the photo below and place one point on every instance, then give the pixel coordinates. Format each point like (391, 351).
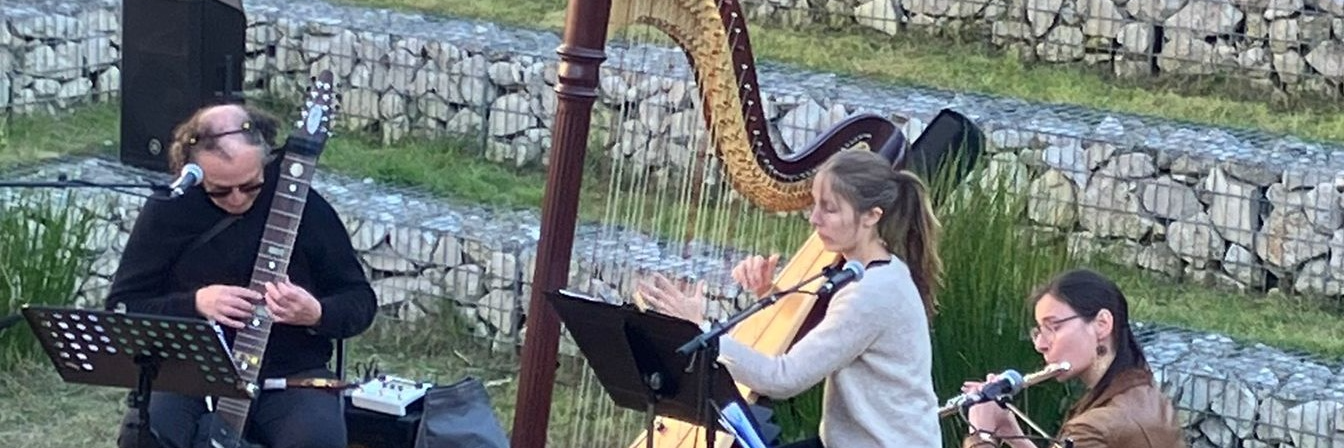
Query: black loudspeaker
(949, 138)
(176, 57)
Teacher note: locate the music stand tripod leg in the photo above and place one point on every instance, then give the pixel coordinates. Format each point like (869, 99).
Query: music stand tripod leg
(655, 382)
(706, 362)
(139, 399)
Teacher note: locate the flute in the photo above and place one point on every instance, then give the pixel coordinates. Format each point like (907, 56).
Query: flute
(1049, 372)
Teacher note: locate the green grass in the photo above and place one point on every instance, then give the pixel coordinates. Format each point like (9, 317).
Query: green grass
(85, 130)
(1299, 323)
(41, 411)
(424, 164)
(970, 65)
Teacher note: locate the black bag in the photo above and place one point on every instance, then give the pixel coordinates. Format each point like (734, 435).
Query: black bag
(459, 415)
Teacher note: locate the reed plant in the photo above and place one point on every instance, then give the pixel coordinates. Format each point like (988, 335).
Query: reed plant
(43, 261)
(992, 263)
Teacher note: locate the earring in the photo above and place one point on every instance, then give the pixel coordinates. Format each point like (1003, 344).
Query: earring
(1101, 350)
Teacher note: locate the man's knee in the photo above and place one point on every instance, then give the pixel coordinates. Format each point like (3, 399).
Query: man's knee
(314, 427)
(173, 423)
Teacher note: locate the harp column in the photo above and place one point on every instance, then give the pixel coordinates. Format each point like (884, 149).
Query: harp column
(581, 56)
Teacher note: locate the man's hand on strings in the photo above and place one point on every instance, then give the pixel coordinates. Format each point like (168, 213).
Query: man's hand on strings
(756, 273)
(228, 305)
(676, 299)
(291, 304)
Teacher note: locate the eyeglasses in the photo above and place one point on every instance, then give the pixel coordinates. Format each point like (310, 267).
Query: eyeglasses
(1049, 332)
(244, 189)
(192, 140)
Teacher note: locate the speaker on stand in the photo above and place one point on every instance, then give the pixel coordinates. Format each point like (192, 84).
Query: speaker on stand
(176, 57)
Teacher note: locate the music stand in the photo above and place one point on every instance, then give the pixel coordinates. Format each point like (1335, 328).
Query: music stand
(139, 352)
(634, 356)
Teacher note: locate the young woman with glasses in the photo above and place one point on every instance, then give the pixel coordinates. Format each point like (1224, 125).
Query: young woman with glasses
(1083, 319)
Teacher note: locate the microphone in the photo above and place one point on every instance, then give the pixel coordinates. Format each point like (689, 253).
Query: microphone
(853, 271)
(190, 177)
(1008, 383)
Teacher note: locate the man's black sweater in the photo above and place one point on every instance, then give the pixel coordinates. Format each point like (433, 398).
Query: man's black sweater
(156, 277)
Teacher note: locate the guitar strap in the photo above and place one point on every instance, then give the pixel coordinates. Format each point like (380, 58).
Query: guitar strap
(205, 237)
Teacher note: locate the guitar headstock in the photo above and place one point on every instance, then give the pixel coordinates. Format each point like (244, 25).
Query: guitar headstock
(319, 108)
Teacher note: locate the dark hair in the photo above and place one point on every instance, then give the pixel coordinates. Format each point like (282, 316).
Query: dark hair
(908, 225)
(1088, 292)
(196, 134)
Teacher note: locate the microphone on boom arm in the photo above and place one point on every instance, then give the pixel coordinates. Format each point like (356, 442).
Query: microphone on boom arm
(190, 176)
(835, 279)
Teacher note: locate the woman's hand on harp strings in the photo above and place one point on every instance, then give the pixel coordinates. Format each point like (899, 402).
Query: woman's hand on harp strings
(677, 299)
(756, 273)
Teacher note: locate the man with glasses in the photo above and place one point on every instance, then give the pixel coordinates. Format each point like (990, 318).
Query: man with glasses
(192, 256)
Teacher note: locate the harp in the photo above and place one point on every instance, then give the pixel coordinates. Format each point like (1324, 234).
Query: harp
(738, 180)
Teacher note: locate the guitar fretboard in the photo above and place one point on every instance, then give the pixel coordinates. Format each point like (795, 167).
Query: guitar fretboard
(272, 264)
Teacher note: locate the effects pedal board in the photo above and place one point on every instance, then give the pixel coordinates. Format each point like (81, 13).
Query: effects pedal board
(389, 394)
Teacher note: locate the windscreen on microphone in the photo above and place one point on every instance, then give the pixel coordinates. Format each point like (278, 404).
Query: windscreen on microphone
(852, 272)
(191, 176)
(1009, 383)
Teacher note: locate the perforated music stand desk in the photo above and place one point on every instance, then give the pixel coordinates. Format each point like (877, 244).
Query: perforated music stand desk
(624, 346)
(140, 352)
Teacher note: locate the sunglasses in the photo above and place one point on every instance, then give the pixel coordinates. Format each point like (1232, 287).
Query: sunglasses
(244, 189)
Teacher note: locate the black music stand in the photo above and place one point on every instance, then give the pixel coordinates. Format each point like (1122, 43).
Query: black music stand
(634, 356)
(139, 352)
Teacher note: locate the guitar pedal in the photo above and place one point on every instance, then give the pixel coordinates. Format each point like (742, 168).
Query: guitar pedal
(388, 394)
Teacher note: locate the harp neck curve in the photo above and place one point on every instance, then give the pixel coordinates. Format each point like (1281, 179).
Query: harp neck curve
(714, 36)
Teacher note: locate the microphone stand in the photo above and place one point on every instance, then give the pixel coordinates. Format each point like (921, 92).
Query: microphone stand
(718, 329)
(704, 349)
(63, 182)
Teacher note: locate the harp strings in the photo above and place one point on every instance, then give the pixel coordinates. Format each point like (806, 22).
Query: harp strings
(664, 205)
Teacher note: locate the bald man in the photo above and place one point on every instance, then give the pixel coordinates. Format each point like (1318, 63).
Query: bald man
(192, 256)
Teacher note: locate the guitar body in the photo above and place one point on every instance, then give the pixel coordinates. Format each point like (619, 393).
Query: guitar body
(304, 146)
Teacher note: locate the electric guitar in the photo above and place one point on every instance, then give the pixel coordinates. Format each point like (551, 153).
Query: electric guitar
(304, 146)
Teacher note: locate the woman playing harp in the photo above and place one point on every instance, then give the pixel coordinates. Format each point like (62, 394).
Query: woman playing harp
(875, 332)
(1083, 319)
